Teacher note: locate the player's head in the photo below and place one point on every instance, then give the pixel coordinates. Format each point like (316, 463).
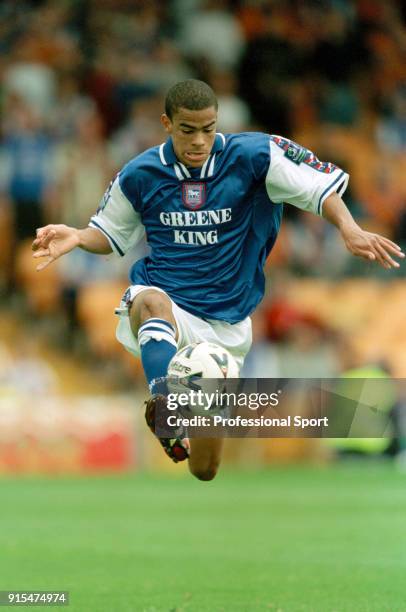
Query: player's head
(190, 118)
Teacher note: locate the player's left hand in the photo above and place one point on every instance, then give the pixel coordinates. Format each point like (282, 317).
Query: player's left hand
(372, 247)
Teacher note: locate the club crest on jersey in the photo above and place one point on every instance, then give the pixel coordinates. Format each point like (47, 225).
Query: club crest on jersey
(193, 195)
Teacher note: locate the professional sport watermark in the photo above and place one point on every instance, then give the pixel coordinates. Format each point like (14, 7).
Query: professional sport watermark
(283, 408)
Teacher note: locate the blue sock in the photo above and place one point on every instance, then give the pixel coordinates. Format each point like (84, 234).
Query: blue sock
(156, 338)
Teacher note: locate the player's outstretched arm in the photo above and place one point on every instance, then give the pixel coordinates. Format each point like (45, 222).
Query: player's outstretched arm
(52, 241)
(359, 242)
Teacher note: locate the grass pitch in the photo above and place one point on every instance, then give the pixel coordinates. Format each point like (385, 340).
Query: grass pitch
(287, 540)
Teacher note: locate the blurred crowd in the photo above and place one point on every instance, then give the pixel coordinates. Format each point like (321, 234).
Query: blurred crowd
(82, 88)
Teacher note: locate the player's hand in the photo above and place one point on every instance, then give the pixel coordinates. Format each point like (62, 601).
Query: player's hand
(52, 241)
(372, 247)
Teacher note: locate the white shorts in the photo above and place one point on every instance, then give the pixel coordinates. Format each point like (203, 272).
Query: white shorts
(236, 337)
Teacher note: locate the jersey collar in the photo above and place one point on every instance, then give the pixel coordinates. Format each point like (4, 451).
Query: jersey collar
(168, 158)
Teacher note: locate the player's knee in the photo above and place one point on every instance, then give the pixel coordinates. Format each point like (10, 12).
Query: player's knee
(204, 472)
(149, 304)
(154, 304)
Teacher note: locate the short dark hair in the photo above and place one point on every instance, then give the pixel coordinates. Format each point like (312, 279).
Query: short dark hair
(191, 94)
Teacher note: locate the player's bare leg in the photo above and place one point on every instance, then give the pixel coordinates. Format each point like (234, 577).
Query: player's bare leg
(205, 457)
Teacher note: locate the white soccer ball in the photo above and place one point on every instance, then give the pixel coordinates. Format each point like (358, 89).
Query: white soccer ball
(201, 367)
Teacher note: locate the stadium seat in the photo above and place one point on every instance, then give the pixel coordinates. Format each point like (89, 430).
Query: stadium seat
(96, 303)
(42, 290)
(95, 310)
(312, 296)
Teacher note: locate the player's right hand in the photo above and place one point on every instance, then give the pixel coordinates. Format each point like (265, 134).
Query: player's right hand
(52, 241)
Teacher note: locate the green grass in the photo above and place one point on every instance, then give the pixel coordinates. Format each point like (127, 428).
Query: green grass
(297, 539)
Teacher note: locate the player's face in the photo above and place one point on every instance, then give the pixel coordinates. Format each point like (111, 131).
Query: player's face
(193, 133)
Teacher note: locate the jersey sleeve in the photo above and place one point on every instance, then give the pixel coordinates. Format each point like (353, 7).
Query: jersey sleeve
(118, 220)
(297, 177)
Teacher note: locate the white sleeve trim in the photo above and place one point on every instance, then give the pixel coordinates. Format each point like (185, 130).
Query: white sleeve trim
(335, 187)
(97, 223)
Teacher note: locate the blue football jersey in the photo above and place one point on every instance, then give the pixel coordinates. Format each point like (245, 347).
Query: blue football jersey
(211, 229)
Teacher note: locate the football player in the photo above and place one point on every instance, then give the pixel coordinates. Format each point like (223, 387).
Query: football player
(209, 206)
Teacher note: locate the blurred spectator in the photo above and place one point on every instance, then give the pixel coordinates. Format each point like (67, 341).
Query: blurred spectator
(233, 114)
(83, 170)
(270, 64)
(101, 77)
(391, 128)
(339, 52)
(315, 247)
(169, 66)
(33, 82)
(339, 104)
(26, 154)
(70, 105)
(141, 131)
(212, 32)
(384, 196)
(136, 81)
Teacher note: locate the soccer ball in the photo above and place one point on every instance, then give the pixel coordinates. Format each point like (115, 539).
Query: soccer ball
(203, 360)
(201, 367)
